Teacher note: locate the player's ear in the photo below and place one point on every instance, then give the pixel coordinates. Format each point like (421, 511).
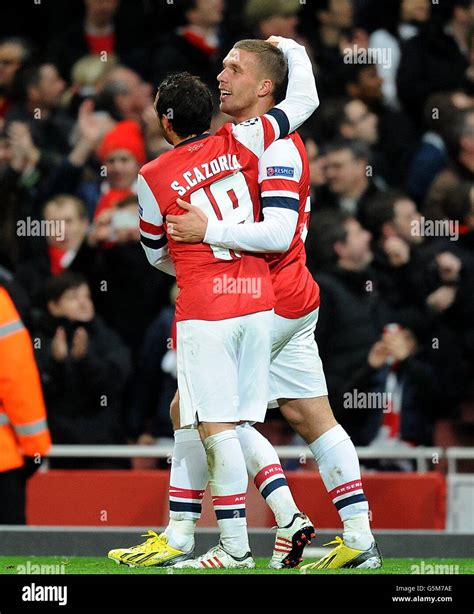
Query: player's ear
(265, 88)
(165, 123)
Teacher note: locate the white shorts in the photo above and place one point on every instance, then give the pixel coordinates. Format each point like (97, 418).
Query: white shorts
(296, 370)
(223, 368)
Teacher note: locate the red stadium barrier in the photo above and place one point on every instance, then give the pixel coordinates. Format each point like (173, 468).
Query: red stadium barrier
(131, 498)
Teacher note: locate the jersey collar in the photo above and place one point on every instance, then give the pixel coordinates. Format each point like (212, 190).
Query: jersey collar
(199, 137)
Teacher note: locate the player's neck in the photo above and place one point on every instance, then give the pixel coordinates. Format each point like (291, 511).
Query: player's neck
(176, 140)
(253, 111)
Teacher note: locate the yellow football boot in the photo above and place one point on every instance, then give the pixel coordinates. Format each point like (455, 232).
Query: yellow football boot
(154, 552)
(343, 557)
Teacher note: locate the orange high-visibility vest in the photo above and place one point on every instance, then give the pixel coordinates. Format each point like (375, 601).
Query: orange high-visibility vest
(23, 427)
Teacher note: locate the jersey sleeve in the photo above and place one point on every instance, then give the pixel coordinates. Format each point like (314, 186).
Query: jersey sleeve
(152, 232)
(280, 171)
(301, 100)
(279, 175)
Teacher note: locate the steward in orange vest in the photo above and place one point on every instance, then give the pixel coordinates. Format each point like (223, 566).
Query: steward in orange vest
(24, 434)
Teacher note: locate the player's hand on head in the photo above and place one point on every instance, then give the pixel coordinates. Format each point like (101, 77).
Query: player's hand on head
(274, 40)
(189, 227)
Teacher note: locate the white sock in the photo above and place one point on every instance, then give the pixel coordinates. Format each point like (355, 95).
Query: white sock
(188, 481)
(228, 480)
(339, 468)
(263, 466)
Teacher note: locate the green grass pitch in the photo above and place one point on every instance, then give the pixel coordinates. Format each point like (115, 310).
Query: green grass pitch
(102, 565)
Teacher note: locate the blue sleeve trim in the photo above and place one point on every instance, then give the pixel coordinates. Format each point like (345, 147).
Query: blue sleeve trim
(282, 121)
(282, 202)
(154, 243)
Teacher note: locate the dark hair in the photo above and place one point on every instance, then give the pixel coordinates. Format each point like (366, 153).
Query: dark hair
(327, 228)
(442, 102)
(455, 130)
(59, 284)
(382, 210)
(350, 73)
(456, 204)
(322, 5)
(186, 101)
(332, 116)
(28, 75)
(448, 6)
(359, 149)
(187, 5)
(386, 15)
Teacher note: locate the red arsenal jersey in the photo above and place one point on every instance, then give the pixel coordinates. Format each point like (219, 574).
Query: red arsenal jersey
(219, 174)
(284, 182)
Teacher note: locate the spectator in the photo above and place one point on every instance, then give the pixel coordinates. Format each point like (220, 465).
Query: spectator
(101, 32)
(84, 367)
(87, 78)
(124, 95)
(397, 135)
(14, 52)
(352, 119)
(460, 146)
(400, 21)
(352, 313)
(79, 172)
(122, 285)
(400, 372)
(149, 416)
(350, 186)
(123, 153)
(53, 252)
(330, 31)
(317, 163)
(272, 18)
(431, 156)
(436, 59)
(458, 206)
(195, 46)
(41, 91)
(393, 221)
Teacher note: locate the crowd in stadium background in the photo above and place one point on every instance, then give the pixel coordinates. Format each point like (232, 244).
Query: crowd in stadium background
(391, 237)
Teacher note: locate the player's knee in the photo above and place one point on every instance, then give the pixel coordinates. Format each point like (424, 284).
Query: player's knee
(293, 413)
